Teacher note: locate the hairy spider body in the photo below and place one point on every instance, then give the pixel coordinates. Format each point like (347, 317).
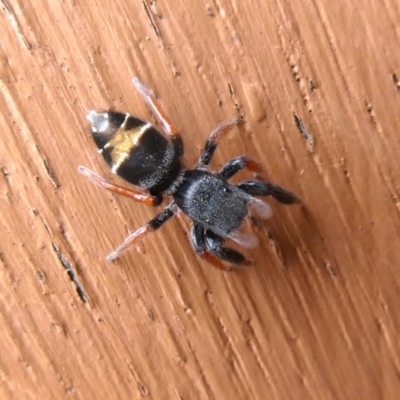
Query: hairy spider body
(143, 156)
(212, 202)
(135, 150)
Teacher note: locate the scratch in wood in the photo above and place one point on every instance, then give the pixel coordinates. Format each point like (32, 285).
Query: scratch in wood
(370, 110)
(174, 69)
(37, 214)
(2, 258)
(165, 49)
(71, 273)
(237, 38)
(209, 10)
(312, 85)
(40, 276)
(208, 295)
(142, 389)
(343, 166)
(221, 11)
(92, 63)
(275, 247)
(330, 268)
(396, 81)
(296, 72)
(304, 131)
(7, 179)
(230, 352)
(49, 171)
(201, 375)
(233, 97)
(230, 89)
(301, 127)
(5, 174)
(6, 7)
(101, 81)
(15, 24)
(153, 24)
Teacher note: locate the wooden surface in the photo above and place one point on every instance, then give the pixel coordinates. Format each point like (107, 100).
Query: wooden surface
(317, 317)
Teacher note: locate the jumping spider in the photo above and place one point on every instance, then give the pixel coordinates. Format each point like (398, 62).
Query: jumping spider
(143, 156)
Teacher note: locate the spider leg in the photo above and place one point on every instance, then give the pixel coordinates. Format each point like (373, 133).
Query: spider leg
(132, 193)
(208, 247)
(214, 245)
(261, 188)
(142, 232)
(169, 128)
(234, 166)
(213, 140)
(198, 241)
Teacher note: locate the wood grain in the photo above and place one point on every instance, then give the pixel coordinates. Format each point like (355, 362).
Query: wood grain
(317, 317)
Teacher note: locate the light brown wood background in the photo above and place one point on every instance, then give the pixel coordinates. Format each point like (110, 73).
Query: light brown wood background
(317, 317)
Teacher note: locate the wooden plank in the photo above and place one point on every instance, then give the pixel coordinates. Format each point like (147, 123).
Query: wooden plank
(317, 84)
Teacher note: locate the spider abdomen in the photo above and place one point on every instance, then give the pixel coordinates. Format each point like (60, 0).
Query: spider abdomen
(135, 150)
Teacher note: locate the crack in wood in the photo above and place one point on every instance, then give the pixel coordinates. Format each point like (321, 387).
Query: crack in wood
(153, 24)
(274, 245)
(41, 276)
(304, 131)
(209, 11)
(233, 97)
(49, 171)
(71, 273)
(5, 175)
(16, 25)
(395, 80)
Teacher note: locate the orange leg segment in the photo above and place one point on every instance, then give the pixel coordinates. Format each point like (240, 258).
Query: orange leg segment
(212, 142)
(237, 164)
(221, 130)
(150, 98)
(131, 193)
(214, 261)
